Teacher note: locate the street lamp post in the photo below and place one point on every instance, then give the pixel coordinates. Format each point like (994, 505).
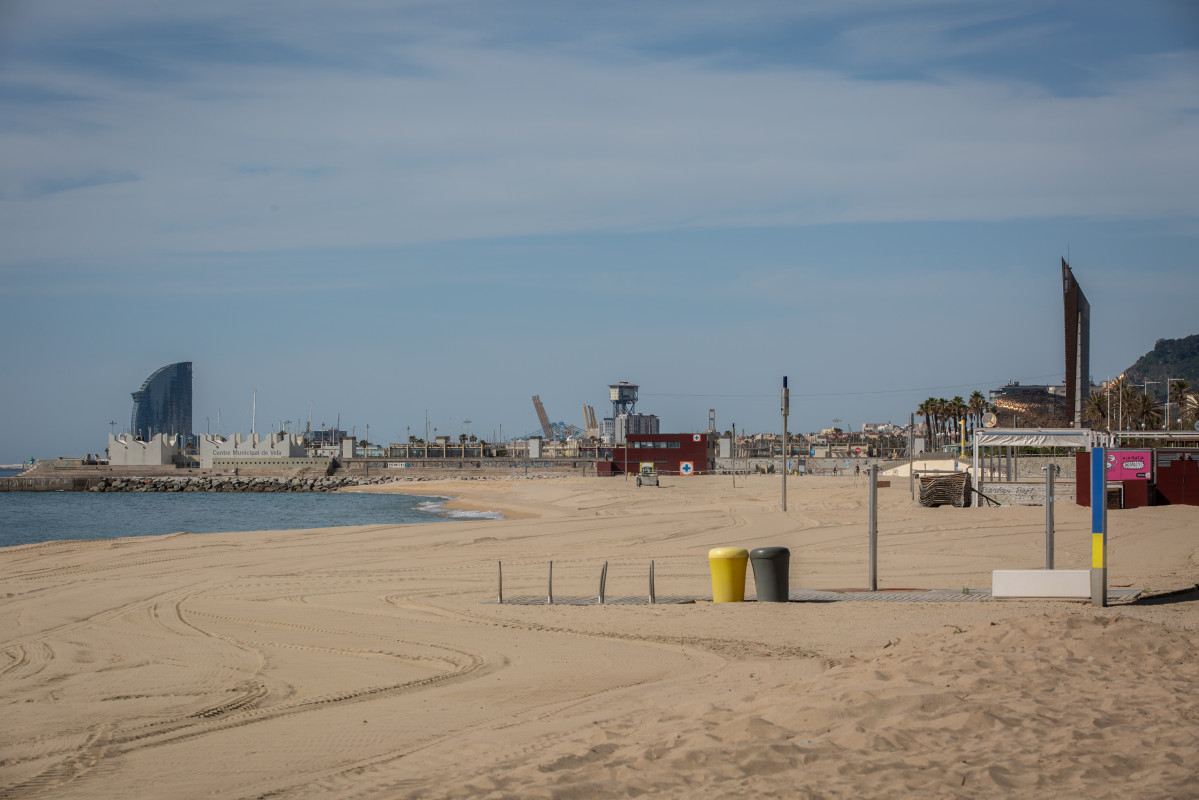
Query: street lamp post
(1146, 385)
(1108, 391)
(785, 408)
(1169, 384)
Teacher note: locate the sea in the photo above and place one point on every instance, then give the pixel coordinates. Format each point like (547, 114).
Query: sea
(32, 517)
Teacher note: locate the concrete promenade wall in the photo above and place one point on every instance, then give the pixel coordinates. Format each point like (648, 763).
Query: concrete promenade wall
(43, 483)
(1028, 494)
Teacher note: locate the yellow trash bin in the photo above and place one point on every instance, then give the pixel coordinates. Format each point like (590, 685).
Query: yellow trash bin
(728, 573)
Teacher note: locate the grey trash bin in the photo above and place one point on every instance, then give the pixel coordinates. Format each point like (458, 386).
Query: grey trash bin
(771, 566)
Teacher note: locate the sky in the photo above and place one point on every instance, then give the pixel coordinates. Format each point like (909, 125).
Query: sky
(381, 212)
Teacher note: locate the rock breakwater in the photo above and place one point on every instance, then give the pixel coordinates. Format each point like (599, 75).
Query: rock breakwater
(225, 483)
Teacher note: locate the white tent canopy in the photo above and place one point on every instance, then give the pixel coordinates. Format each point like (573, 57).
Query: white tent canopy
(1082, 438)
(1034, 437)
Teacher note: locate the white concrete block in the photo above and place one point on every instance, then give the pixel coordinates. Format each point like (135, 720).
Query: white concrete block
(1067, 583)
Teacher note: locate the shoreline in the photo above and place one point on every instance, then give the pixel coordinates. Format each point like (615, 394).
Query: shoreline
(465, 495)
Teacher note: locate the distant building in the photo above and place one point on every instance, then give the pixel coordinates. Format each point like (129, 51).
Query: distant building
(614, 430)
(159, 450)
(626, 425)
(1078, 346)
(163, 404)
(1028, 404)
(326, 436)
(275, 450)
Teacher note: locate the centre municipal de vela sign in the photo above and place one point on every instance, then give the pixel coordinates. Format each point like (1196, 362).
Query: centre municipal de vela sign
(248, 454)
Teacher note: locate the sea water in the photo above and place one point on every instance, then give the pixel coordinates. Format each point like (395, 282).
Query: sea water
(31, 517)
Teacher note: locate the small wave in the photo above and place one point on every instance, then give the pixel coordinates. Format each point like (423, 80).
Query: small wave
(437, 506)
(471, 514)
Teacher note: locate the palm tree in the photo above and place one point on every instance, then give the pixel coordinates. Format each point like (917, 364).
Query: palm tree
(944, 410)
(1145, 411)
(957, 411)
(928, 408)
(1190, 409)
(978, 407)
(1176, 393)
(1094, 411)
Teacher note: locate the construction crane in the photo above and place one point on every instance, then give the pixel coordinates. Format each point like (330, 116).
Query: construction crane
(543, 418)
(589, 422)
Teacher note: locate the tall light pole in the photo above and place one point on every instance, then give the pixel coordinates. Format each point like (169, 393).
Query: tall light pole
(786, 408)
(466, 422)
(1120, 397)
(1146, 385)
(734, 449)
(1169, 385)
(1108, 392)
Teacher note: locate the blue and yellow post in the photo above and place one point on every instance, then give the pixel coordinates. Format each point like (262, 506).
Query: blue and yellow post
(1099, 526)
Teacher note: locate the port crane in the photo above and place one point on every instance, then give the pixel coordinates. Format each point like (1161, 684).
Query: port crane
(589, 423)
(546, 426)
(553, 430)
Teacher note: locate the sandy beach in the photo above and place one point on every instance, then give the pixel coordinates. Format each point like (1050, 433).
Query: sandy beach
(374, 661)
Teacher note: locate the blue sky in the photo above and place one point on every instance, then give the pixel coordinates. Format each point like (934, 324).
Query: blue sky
(376, 209)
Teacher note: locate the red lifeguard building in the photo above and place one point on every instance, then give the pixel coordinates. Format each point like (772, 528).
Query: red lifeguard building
(674, 453)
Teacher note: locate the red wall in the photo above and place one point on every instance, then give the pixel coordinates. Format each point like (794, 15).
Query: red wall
(1082, 478)
(1178, 480)
(691, 447)
(1137, 494)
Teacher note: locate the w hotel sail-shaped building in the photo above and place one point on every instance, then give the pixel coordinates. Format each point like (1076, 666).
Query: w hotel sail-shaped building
(164, 403)
(1078, 345)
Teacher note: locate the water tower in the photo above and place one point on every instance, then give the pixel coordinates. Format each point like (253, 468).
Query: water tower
(623, 396)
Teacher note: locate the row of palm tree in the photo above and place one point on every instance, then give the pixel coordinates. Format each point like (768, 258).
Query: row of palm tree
(1122, 406)
(944, 418)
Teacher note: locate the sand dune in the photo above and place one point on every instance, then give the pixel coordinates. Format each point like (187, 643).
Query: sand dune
(373, 661)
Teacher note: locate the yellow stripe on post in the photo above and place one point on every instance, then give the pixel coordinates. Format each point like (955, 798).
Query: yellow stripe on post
(1097, 551)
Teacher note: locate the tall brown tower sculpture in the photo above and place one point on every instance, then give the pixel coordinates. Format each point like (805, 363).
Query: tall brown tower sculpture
(1078, 345)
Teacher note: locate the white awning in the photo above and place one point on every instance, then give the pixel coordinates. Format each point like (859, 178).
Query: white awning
(1033, 437)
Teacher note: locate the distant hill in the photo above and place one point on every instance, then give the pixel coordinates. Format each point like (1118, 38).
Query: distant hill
(1174, 359)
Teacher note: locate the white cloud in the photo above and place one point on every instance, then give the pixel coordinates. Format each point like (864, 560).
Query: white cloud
(485, 142)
